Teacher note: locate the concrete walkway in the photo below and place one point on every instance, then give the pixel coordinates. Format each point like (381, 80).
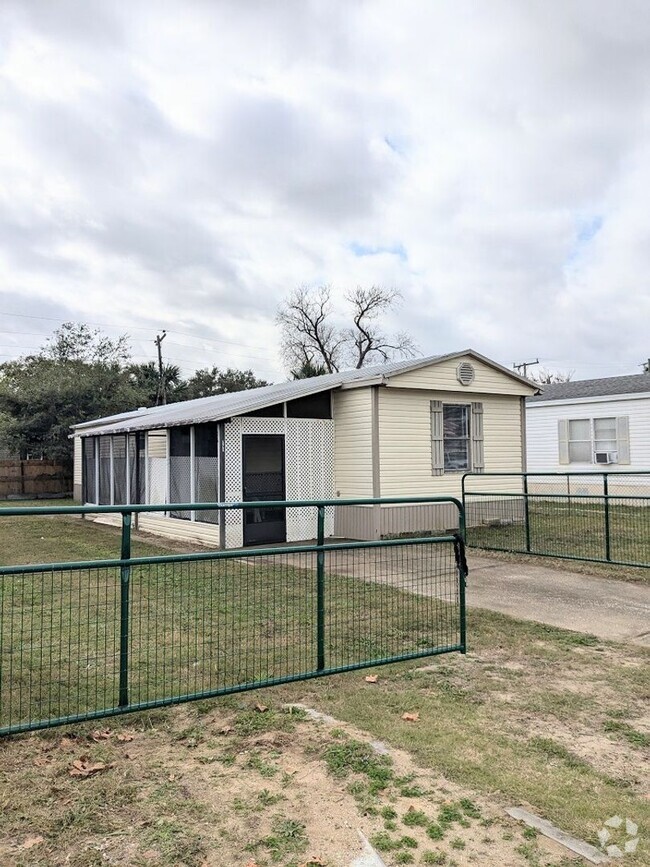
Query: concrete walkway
(610, 609)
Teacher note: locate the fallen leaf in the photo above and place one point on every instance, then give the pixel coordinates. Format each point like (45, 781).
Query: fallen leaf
(30, 842)
(66, 743)
(261, 708)
(411, 717)
(171, 778)
(125, 738)
(41, 761)
(83, 767)
(101, 736)
(371, 678)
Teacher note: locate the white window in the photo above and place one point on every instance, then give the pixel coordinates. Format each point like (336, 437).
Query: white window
(586, 436)
(456, 436)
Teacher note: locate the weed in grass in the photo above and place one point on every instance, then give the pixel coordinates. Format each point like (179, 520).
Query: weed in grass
(253, 722)
(553, 750)
(383, 842)
(267, 799)
(530, 852)
(263, 768)
(457, 843)
(190, 737)
(390, 824)
(433, 858)
(388, 813)
(625, 730)
(435, 831)
(176, 843)
(409, 842)
(354, 756)
(529, 833)
(403, 858)
(448, 814)
(411, 791)
(287, 837)
(469, 808)
(415, 818)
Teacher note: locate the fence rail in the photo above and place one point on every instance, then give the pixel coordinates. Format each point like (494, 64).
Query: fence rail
(600, 517)
(90, 639)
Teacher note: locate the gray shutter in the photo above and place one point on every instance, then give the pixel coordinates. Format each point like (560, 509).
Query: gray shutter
(623, 439)
(437, 439)
(563, 440)
(476, 431)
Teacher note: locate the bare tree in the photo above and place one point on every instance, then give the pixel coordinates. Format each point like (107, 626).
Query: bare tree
(311, 340)
(544, 376)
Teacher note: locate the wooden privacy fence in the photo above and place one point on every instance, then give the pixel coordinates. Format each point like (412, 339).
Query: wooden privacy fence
(34, 479)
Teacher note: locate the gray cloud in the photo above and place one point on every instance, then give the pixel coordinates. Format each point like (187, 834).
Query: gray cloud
(185, 164)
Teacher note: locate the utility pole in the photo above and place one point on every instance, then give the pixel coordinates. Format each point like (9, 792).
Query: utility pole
(161, 394)
(646, 366)
(525, 365)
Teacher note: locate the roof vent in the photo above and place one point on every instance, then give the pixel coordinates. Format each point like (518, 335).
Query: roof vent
(465, 373)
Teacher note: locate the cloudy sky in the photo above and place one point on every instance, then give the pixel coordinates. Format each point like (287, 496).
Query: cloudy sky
(184, 165)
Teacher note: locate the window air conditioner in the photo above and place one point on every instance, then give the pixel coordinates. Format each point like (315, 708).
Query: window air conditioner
(605, 457)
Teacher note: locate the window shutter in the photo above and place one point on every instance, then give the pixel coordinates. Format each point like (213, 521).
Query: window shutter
(623, 439)
(437, 439)
(563, 440)
(476, 430)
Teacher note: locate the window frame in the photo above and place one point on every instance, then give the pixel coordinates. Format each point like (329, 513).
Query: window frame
(467, 438)
(592, 438)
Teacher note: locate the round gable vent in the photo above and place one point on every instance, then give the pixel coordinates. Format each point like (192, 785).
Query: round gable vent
(465, 373)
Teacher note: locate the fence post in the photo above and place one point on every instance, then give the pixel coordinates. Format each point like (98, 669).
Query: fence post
(461, 565)
(125, 577)
(320, 590)
(608, 553)
(526, 513)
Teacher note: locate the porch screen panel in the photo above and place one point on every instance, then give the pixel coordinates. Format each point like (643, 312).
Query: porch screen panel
(179, 469)
(104, 471)
(206, 469)
(119, 470)
(89, 488)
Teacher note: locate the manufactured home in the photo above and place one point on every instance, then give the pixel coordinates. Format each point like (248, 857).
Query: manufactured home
(592, 425)
(401, 429)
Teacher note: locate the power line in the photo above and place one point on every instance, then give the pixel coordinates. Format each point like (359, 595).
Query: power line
(525, 365)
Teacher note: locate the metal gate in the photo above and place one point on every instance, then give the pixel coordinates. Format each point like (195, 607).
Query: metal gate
(86, 640)
(597, 516)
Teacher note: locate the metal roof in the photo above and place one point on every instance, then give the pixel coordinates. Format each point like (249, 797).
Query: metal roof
(636, 383)
(223, 406)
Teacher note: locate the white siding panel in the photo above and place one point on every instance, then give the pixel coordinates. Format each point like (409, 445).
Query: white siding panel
(353, 443)
(542, 432)
(405, 442)
(442, 376)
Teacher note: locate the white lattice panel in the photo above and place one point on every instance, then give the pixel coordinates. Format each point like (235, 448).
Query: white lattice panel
(309, 466)
(157, 480)
(234, 526)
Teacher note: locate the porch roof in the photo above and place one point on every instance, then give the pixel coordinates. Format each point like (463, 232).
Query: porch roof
(223, 406)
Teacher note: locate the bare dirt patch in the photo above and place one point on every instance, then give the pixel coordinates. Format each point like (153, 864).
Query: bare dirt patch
(206, 786)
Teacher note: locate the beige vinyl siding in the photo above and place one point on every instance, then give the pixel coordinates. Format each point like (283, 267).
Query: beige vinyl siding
(405, 441)
(353, 443)
(76, 469)
(442, 376)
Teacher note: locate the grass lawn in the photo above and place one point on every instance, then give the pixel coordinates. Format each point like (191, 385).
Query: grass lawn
(559, 528)
(534, 716)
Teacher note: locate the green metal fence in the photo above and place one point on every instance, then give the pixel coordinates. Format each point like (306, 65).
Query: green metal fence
(90, 639)
(595, 516)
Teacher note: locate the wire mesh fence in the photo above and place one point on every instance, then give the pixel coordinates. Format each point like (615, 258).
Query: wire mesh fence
(90, 639)
(603, 517)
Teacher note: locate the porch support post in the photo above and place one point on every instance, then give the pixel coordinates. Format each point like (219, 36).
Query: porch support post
(192, 472)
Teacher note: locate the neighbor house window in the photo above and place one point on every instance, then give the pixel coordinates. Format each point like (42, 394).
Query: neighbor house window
(587, 437)
(456, 436)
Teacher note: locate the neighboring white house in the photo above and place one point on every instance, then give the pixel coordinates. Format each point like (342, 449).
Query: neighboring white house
(595, 425)
(407, 428)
